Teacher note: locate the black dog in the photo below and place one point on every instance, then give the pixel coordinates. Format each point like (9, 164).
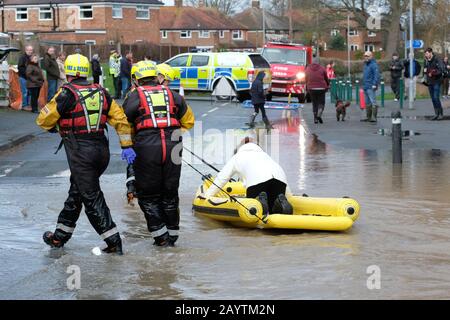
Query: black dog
(341, 109)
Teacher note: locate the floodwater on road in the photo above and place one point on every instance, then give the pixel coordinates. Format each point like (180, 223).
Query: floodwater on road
(403, 231)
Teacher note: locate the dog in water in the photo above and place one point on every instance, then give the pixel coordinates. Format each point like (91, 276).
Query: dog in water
(341, 107)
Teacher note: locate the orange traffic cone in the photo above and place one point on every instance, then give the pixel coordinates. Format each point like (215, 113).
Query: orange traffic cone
(362, 99)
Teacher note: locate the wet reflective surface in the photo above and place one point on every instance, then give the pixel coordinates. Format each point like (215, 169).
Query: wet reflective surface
(403, 229)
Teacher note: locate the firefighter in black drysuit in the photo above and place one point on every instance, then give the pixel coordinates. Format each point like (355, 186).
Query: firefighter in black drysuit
(80, 112)
(157, 114)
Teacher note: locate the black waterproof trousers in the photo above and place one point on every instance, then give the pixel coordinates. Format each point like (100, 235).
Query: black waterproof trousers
(272, 187)
(158, 169)
(88, 158)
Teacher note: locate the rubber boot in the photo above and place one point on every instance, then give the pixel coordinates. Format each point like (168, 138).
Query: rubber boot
(251, 122)
(440, 114)
(374, 114)
(282, 205)
(49, 239)
(368, 113)
(131, 188)
(436, 114)
(114, 245)
(262, 198)
(172, 216)
(267, 123)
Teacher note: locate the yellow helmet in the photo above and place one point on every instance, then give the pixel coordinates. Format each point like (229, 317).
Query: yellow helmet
(168, 72)
(77, 65)
(143, 69)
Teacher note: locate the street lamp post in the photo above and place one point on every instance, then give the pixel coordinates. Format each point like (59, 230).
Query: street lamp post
(411, 56)
(348, 45)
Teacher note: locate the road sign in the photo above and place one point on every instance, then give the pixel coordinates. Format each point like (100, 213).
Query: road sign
(417, 44)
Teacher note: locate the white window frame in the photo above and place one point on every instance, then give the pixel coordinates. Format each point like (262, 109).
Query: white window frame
(188, 34)
(221, 34)
(141, 9)
(335, 32)
(371, 34)
(240, 35)
(354, 47)
(368, 46)
(90, 42)
(22, 12)
(353, 32)
(44, 10)
(203, 34)
(84, 8)
(115, 9)
(163, 34)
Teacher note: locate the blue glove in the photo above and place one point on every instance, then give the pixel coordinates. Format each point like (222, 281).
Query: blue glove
(129, 155)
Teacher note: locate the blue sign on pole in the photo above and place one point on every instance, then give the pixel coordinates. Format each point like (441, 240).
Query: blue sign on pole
(417, 44)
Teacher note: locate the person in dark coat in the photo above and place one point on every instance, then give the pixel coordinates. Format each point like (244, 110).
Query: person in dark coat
(22, 66)
(125, 73)
(433, 72)
(416, 72)
(51, 66)
(259, 100)
(96, 68)
(317, 84)
(396, 68)
(35, 80)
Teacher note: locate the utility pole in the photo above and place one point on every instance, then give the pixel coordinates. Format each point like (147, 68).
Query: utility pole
(348, 46)
(411, 55)
(291, 36)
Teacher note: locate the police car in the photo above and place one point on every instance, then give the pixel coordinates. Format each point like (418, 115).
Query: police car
(202, 71)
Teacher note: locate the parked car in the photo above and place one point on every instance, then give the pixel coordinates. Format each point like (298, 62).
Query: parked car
(202, 71)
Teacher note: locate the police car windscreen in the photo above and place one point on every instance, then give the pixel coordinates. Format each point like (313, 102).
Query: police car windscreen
(259, 61)
(285, 56)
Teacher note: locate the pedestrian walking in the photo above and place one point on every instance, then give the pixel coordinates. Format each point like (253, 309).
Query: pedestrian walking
(87, 151)
(125, 73)
(446, 78)
(330, 70)
(35, 81)
(396, 68)
(371, 80)
(62, 73)
(22, 66)
(96, 68)
(258, 95)
(158, 114)
(317, 84)
(433, 73)
(417, 68)
(114, 71)
(51, 67)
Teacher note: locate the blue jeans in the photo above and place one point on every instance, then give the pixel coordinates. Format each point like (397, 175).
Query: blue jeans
(52, 87)
(435, 92)
(371, 97)
(25, 95)
(126, 84)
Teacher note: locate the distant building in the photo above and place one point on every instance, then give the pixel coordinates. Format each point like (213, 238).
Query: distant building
(201, 28)
(259, 22)
(85, 21)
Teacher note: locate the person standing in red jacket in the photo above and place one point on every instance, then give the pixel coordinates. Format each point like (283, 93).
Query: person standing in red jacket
(317, 84)
(330, 71)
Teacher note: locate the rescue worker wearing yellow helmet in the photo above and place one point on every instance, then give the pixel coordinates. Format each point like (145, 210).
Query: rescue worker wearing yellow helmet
(157, 115)
(80, 112)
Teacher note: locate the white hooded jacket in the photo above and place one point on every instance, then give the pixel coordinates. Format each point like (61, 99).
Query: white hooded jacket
(252, 165)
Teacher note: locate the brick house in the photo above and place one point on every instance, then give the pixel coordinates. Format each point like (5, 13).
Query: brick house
(85, 21)
(276, 28)
(201, 28)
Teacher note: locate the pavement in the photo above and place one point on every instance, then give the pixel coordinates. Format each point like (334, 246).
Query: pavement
(17, 127)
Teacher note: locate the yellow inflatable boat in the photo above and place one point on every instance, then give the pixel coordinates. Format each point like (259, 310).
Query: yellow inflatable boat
(327, 214)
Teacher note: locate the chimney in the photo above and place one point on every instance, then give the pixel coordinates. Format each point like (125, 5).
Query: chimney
(178, 3)
(256, 4)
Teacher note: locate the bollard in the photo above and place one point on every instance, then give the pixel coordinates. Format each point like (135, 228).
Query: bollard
(349, 90)
(357, 91)
(382, 93)
(402, 94)
(333, 91)
(397, 136)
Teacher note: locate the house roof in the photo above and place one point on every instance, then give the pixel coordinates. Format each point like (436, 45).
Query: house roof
(190, 18)
(43, 2)
(252, 18)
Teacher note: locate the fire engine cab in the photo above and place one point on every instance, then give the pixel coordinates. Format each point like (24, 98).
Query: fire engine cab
(288, 62)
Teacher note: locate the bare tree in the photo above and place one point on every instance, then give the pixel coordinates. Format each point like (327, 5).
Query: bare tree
(227, 7)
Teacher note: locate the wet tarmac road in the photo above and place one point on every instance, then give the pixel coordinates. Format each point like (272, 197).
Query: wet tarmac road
(403, 228)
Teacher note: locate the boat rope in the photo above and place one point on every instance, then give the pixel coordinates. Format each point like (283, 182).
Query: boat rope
(252, 211)
(202, 160)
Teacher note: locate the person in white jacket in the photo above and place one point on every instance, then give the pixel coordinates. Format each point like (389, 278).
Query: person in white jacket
(264, 179)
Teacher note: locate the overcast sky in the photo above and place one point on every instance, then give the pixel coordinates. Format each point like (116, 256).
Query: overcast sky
(168, 2)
